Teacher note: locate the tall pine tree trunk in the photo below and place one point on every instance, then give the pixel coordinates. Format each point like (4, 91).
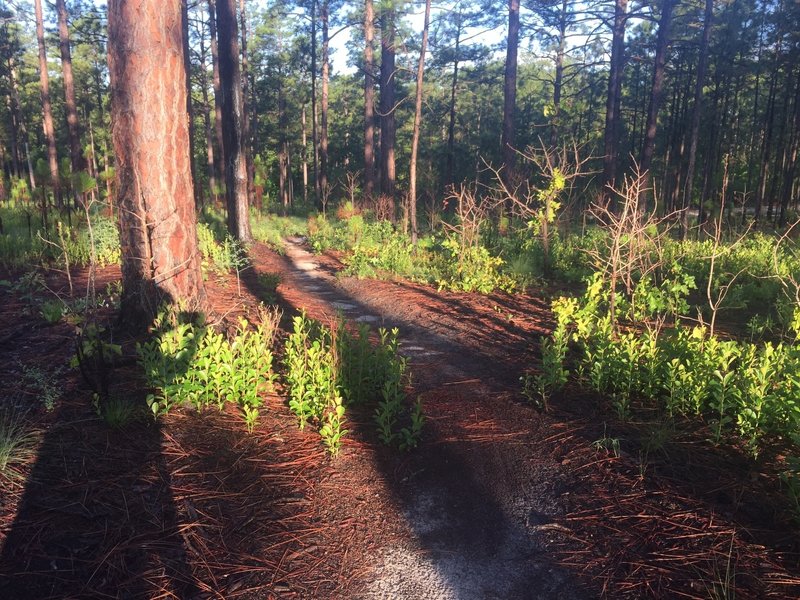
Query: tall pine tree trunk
(387, 107)
(219, 155)
(412, 193)
(210, 165)
(369, 100)
(247, 106)
(449, 176)
(75, 154)
(611, 134)
(187, 67)
(696, 112)
(158, 238)
(510, 93)
(234, 144)
(323, 138)
(47, 111)
(662, 43)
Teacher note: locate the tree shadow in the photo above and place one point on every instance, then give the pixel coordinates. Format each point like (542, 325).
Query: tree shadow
(98, 517)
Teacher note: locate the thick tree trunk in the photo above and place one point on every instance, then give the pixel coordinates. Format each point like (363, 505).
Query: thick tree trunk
(662, 44)
(412, 193)
(75, 154)
(47, 111)
(219, 153)
(323, 138)
(387, 107)
(160, 260)
(369, 99)
(187, 67)
(234, 146)
(611, 134)
(510, 93)
(696, 111)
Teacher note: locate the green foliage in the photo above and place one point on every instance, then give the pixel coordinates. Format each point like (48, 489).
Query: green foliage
(742, 389)
(43, 384)
(188, 361)
(52, 310)
(17, 443)
(328, 369)
(272, 229)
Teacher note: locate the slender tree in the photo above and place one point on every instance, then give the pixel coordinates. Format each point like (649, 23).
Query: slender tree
(219, 155)
(662, 43)
(612, 125)
(369, 99)
(160, 259)
(507, 139)
(234, 143)
(76, 156)
(387, 100)
(694, 132)
(187, 67)
(323, 138)
(412, 177)
(47, 110)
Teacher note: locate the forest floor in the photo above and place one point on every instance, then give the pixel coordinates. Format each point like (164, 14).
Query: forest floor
(499, 500)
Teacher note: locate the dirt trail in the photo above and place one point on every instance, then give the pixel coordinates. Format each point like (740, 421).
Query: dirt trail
(478, 507)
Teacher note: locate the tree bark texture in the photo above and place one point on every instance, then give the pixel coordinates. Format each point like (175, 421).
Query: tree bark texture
(47, 110)
(160, 259)
(234, 143)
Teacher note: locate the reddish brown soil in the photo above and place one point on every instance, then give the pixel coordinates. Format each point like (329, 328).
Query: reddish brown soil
(499, 501)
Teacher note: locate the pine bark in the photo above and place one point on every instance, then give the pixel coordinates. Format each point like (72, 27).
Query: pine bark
(412, 193)
(160, 259)
(369, 99)
(47, 110)
(210, 164)
(247, 106)
(233, 140)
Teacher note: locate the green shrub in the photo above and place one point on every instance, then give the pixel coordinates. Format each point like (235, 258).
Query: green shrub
(189, 362)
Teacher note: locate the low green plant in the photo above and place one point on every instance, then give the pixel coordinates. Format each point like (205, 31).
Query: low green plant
(115, 410)
(17, 443)
(554, 375)
(608, 444)
(52, 310)
(43, 384)
(189, 362)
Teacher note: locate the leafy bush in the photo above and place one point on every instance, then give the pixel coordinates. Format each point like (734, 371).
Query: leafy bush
(189, 362)
(328, 369)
